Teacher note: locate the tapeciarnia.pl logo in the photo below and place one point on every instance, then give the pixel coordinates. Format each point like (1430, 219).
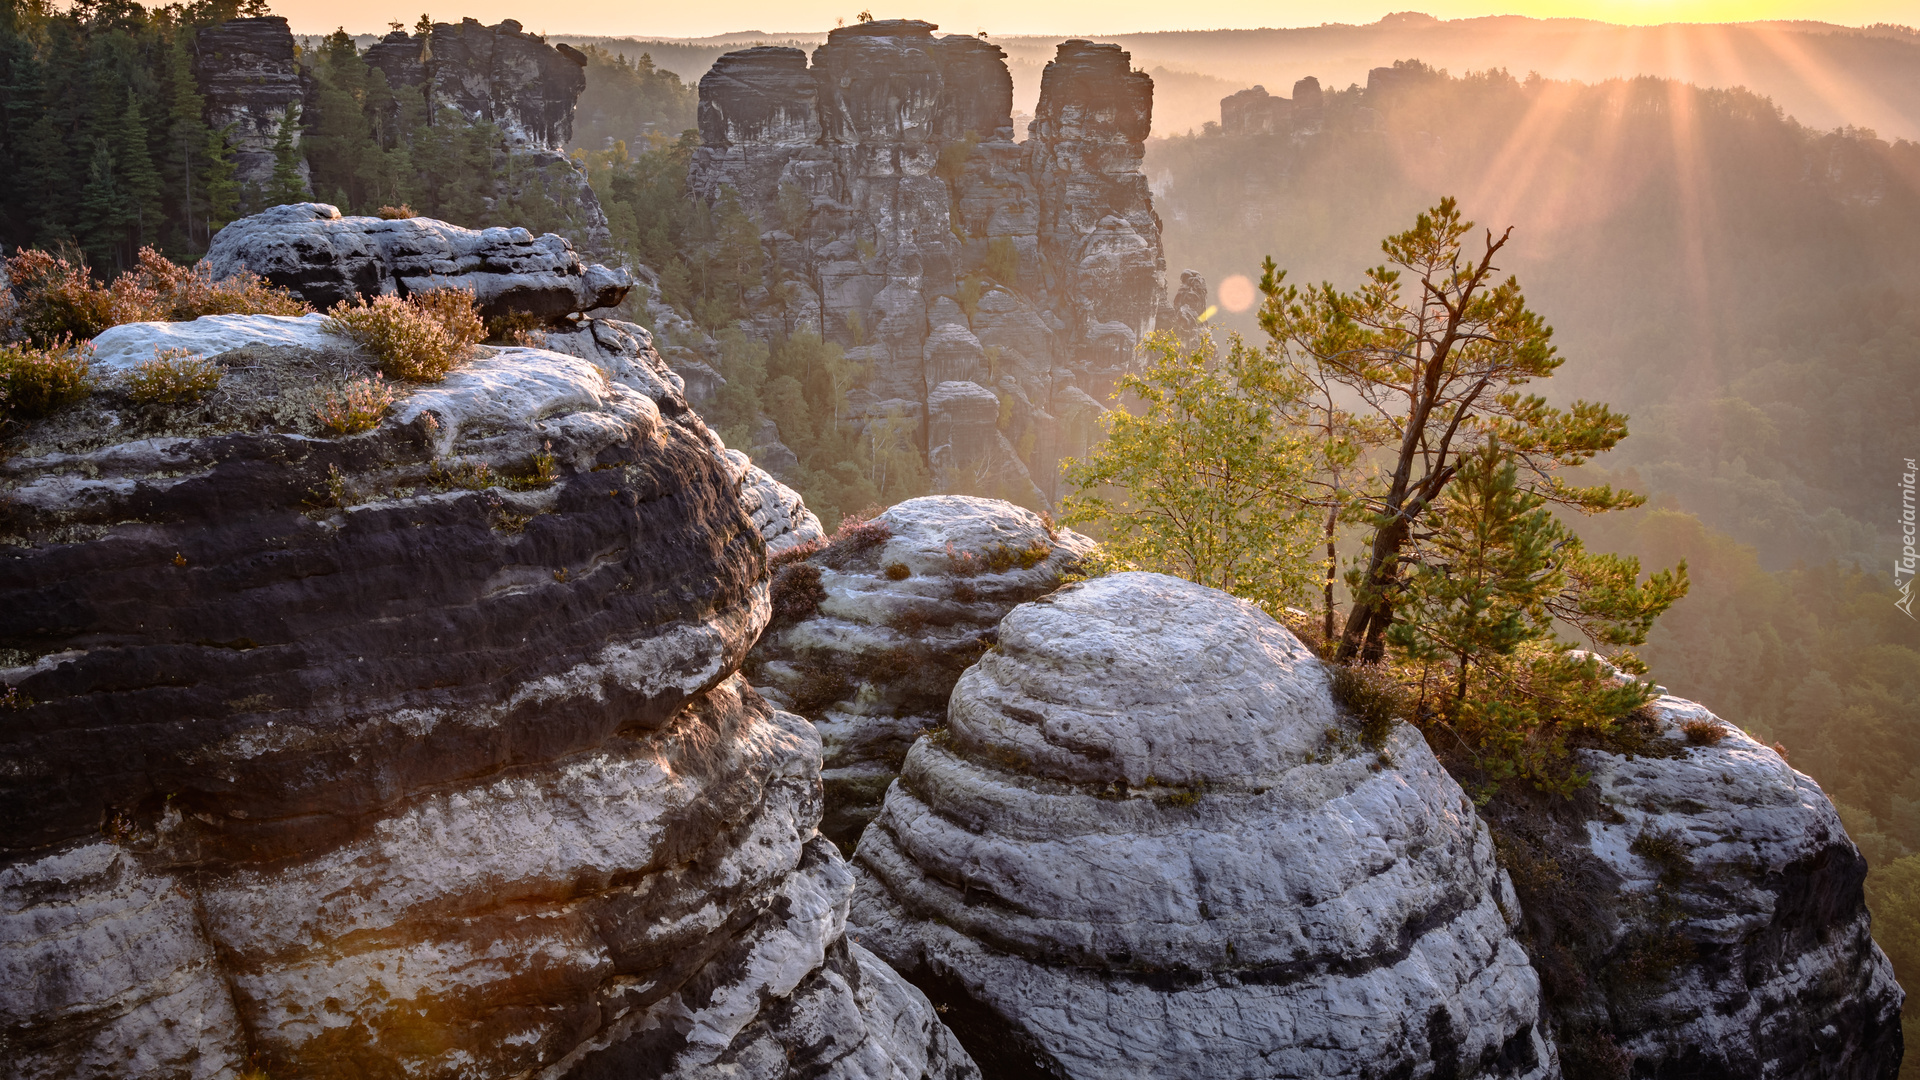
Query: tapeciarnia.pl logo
(1903, 567)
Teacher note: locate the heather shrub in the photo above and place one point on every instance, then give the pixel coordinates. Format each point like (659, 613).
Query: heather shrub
(37, 382)
(173, 377)
(160, 290)
(53, 297)
(418, 339)
(355, 407)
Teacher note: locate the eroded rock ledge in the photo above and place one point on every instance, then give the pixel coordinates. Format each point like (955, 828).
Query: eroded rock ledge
(1149, 845)
(342, 756)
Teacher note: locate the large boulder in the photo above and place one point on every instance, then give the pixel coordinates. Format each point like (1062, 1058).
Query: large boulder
(325, 258)
(416, 751)
(1697, 910)
(1148, 843)
(903, 606)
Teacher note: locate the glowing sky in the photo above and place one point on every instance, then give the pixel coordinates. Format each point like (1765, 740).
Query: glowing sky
(1005, 17)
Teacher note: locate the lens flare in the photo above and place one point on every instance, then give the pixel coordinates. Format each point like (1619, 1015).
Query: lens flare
(1236, 293)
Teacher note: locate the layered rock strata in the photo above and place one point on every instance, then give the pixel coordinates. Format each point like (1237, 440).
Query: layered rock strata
(420, 750)
(912, 229)
(902, 609)
(1697, 910)
(1149, 844)
(249, 80)
(325, 258)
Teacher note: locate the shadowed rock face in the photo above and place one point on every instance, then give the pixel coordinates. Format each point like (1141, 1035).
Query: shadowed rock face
(875, 661)
(325, 258)
(1704, 913)
(247, 76)
(916, 233)
(336, 756)
(1149, 845)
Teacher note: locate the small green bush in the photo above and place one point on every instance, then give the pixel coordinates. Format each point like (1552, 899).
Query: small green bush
(173, 377)
(39, 382)
(418, 339)
(355, 407)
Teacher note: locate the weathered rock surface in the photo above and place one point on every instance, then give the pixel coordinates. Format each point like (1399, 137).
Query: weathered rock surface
(913, 230)
(325, 258)
(248, 78)
(1149, 845)
(1697, 910)
(874, 663)
(341, 757)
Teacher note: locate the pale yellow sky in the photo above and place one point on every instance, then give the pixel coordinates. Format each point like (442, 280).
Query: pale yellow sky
(1082, 17)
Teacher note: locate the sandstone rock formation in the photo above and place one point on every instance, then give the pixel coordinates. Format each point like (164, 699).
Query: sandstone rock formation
(1148, 844)
(913, 230)
(415, 751)
(325, 258)
(1697, 910)
(903, 607)
(516, 81)
(247, 75)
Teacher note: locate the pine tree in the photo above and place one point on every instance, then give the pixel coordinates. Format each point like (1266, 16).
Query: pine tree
(222, 184)
(287, 185)
(102, 213)
(139, 183)
(186, 153)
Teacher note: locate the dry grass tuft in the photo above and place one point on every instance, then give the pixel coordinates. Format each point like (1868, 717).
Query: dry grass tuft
(1703, 732)
(396, 213)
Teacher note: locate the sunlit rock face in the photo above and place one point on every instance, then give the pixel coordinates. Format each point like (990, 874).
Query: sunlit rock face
(339, 756)
(896, 620)
(914, 231)
(1149, 844)
(1697, 910)
(326, 258)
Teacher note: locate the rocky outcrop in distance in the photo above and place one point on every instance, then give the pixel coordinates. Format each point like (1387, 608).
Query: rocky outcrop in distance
(910, 228)
(421, 750)
(325, 258)
(1255, 112)
(871, 633)
(525, 87)
(499, 73)
(249, 79)
(1148, 843)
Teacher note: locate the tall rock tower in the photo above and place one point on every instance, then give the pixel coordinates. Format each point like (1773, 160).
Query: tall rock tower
(996, 289)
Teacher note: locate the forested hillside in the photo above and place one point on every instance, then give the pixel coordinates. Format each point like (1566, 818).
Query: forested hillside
(1743, 287)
